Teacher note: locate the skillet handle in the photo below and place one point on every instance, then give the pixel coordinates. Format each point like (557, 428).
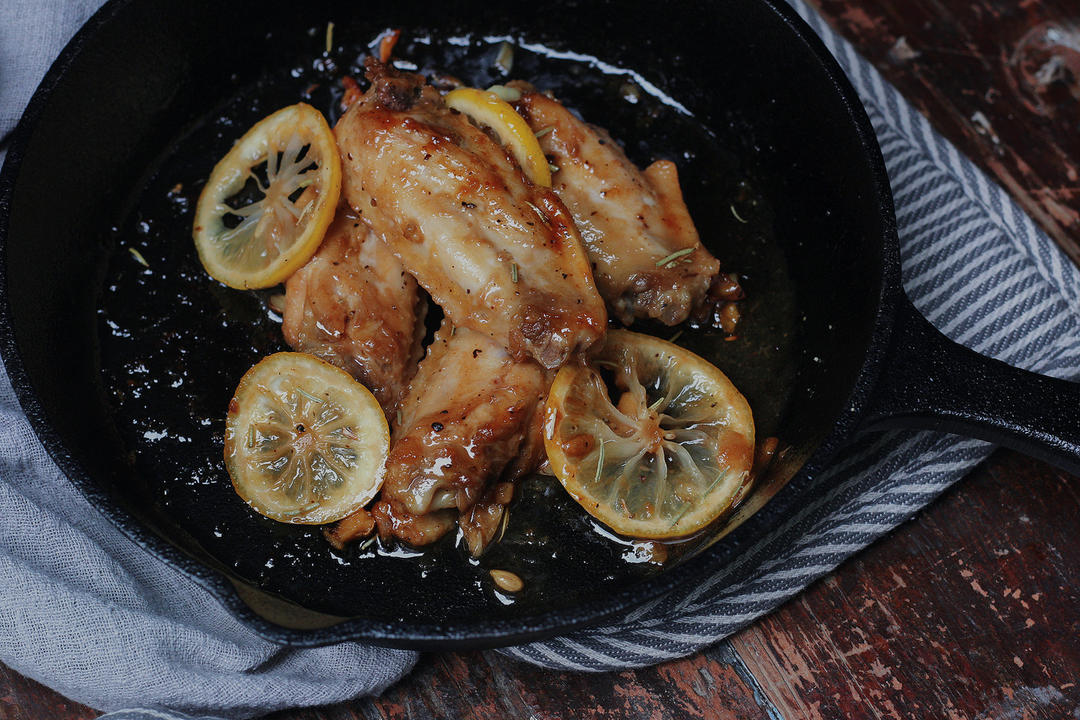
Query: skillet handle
(932, 383)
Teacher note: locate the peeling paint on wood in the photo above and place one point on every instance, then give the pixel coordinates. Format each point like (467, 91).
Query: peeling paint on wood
(955, 640)
(999, 78)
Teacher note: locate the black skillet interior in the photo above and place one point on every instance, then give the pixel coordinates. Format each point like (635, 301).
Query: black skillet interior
(126, 370)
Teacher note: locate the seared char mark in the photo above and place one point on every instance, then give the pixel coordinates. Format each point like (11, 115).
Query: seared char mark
(394, 90)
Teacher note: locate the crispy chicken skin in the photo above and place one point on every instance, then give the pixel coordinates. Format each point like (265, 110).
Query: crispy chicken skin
(630, 220)
(470, 417)
(500, 255)
(354, 306)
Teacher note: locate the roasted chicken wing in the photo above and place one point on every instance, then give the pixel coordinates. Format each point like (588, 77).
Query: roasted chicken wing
(353, 305)
(646, 256)
(501, 255)
(469, 419)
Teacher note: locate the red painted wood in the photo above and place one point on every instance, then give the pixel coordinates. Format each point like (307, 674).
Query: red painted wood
(999, 78)
(972, 610)
(23, 699)
(489, 686)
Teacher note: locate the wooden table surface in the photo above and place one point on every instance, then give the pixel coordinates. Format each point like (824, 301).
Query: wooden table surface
(971, 609)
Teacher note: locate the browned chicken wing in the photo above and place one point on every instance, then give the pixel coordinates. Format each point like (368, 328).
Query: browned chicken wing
(470, 418)
(500, 255)
(646, 256)
(354, 306)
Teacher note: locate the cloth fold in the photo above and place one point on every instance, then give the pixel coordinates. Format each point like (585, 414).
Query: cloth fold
(105, 624)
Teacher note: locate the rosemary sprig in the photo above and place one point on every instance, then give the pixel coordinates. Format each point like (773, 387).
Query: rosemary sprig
(681, 515)
(721, 476)
(539, 212)
(307, 508)
(138, 257)
(305, 211)
(715, 482)
(308, 395)
(674, 256)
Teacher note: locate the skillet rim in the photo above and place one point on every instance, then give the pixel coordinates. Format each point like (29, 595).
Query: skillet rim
(491, 632)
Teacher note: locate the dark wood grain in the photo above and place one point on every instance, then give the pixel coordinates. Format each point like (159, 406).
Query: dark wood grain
(23, 699)
(999, 78)
(972, 609)
(489, 686)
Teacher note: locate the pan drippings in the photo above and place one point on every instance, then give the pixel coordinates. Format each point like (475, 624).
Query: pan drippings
(174, 343)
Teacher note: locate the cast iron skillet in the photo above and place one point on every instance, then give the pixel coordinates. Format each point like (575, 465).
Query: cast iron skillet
(125, 371)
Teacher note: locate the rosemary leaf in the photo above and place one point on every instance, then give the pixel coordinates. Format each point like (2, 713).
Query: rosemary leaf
(138, 257)
(723, 473)
(308, 395)
(599, 462)
(674, 256)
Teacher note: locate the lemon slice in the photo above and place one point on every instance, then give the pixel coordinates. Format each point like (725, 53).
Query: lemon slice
(487, 108)
(252, 230)
(671, 454)
(304, 442)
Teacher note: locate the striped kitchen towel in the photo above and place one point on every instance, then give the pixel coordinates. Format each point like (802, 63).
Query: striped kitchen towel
(978, 268)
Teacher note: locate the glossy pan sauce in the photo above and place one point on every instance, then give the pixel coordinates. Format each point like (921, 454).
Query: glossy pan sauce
(174, 344)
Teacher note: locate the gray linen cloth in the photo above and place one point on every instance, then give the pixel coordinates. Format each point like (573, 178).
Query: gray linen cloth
(106, 625)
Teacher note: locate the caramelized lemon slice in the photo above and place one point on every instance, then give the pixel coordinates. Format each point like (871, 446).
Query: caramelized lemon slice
(304, 442)
(668, 456)
(486, 108)
(268, 202)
